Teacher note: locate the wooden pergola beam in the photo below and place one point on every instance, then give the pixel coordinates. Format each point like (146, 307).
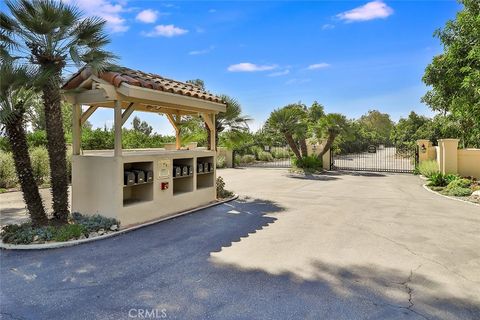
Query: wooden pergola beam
(175, 124)
(87, 114)
(128, 112)
(209, 119)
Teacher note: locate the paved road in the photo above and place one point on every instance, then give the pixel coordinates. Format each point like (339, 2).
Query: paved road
(336, 246)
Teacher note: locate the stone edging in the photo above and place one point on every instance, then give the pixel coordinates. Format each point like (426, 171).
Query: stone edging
(448, 197)
(54, 245)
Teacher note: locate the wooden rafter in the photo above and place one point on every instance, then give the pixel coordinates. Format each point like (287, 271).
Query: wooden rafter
(87, 114)
(128, 112)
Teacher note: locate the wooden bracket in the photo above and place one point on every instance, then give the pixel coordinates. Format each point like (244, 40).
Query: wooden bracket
(175, 121)
(87, 114)
(128, 112)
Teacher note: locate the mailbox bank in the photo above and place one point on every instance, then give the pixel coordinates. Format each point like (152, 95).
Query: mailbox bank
(141, 185)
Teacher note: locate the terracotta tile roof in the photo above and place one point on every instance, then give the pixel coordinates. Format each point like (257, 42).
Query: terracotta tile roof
(142, 79)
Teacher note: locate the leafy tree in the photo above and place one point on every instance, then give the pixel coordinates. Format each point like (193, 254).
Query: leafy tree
(329, 127)
(197, 82)
(377, 127)
(287, 121)
(14, 99)
(141, 126)
(454, 75)
(54, 35)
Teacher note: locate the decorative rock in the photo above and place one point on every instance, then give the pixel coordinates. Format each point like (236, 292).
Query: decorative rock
(100, 232)
(82, 237)
(476, 194)
(93, 234)
(114, 227)
(35, 238)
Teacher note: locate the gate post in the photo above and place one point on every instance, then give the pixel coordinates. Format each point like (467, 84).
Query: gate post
(424, 150)
(448, 149)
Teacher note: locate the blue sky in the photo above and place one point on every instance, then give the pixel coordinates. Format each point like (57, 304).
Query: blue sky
(351, 56)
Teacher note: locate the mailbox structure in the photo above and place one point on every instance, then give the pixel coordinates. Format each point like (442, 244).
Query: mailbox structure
(141, 185)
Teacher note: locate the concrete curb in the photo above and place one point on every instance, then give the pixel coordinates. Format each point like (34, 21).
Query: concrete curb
(448, 197)
(54, 245)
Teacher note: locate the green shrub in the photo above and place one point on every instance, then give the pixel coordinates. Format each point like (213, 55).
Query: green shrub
(459, 183)
(256, 150)
(40, 164)
(8, 175)
(248, 158)
(237, 159)
(37, 138)
(221, 191)
(221, 163)
(428, 168)
(95, 222)
(437, 180)
(451, 177)
(457, 191)
(69, 231)
(279, 153)
(309, 162)
(265, 156)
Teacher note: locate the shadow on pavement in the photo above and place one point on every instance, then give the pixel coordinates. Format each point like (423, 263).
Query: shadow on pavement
(168, 267)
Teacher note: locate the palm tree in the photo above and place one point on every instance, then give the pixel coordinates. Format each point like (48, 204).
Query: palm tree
(287, 120)
(232, 119)
(52, 35)
(14, 99)
(330, 126)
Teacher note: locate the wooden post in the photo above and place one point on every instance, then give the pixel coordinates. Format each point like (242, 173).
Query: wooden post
(210, 121)
(76, 129)
(118, 128)
(174, 123)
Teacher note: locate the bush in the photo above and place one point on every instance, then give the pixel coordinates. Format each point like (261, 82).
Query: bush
(82, 225)
(428, 168)
(8, 175)
(256, 150)
(457, 191)
(265, 156)
(309, 162)
(248, 158)
(459, 183)
(221, 163)
(451, 177)
(280, 153)
(37, 138)
(40, 164)
(95, 222)
(221, 191)
(437, 180)
(69, 231)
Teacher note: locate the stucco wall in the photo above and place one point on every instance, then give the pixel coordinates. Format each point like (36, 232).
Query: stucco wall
(227, 154)
(469, 162)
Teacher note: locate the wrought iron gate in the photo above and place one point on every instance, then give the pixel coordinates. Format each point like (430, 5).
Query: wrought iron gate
(263, 156)
(377, 158)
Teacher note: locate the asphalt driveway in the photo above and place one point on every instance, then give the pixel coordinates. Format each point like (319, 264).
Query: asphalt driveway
(335, 246)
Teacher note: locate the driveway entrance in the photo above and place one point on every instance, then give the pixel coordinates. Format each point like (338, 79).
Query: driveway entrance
(335, 246)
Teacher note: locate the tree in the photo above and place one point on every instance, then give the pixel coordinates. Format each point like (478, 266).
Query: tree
(14, 101)
(454, 75)
(141, 126)
(287, 121)
(198, 83)
(377, 127)
(329, 127)
(55, 35)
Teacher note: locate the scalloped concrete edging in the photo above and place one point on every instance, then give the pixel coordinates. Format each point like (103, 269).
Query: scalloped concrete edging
(449, 197)
(54, 245)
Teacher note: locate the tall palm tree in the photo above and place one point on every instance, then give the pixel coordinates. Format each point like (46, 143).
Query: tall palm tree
(232, 119)
(14, 100)
(330, 126)
(53, 35)
(288, 120)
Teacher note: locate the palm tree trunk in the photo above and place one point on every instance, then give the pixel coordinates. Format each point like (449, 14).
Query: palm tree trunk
(57, 149)
(293, 145)
(18, 142)
(328, 145)
(303, 147)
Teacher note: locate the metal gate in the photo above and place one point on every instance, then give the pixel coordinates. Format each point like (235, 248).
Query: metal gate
(263, 156)
(377, 158)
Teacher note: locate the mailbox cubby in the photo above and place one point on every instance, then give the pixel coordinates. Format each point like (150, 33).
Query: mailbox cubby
(182, 174)
(205, 172)
(137, 182)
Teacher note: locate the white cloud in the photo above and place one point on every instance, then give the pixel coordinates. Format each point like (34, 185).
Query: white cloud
(372, 10)
(316, 66)
(279, 73)
(328, 26)
(249, 67)
(166, 31)
(203, 51)
(110, 11)
(147, 16)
